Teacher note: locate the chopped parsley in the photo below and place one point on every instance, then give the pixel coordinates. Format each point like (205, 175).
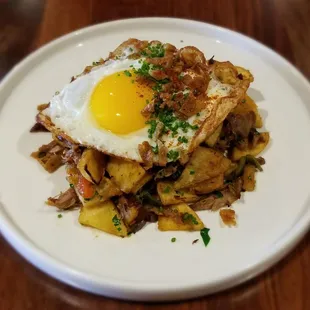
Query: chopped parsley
(198, 114)
(59, 216)
(127, 73)
(243, 101)
(186, 93)
(116, 221)
(182, 139)
(132, 81)
(249, 178)
(204, 233)
(154, 51)
(187, 217)
(173, 155)
(173, 239)
(147, 101)
(153, 125)
(130, 49)
(166, 189)
(218, 194)
(155, 149)
(192, 172)
(71, 185)
(96, 63)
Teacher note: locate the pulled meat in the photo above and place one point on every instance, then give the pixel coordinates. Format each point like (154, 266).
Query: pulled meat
(241, 124)
(65, 200)
(146, 153)
(220, 199)
(49, 156)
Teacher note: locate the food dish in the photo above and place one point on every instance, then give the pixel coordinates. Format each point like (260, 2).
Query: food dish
(153, 133)
(275, 216)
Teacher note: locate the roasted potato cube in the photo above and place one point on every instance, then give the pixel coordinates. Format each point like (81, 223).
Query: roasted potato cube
(260, 146)
(246, 105)
(125, 174)
(204, 164)
(211, 140)
(248, 178)
(182, 218)
(92, 165)
(147, 177)
(107, 189)
(246, 74)
(169, 196)
(104, 216)
(228, 217)
(208, 186)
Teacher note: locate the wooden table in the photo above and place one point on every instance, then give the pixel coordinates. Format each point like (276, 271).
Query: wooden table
(284, 25)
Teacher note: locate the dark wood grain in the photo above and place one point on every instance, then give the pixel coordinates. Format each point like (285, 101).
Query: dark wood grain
(284, 25)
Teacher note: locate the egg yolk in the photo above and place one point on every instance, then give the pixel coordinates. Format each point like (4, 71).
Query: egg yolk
(117, 101)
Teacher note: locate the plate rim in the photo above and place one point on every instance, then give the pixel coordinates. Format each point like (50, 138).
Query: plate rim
(131, 290)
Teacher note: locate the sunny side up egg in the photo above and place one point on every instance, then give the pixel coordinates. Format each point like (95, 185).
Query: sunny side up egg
(102, 109)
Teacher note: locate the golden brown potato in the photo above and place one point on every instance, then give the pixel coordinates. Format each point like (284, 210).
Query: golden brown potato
(228, 217)
(211, 140)
(204, 164)
(246, 105)
(260, 146)
(208, 186)
(107, 189)
(92, 165)
(104, 216)
(246, 74)
(248, 178)
(169, 196)
(125, 174)
(182, 218)
(147, 177)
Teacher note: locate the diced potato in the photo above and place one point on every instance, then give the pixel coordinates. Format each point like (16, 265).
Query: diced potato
(107, 189)
(247, 75)
(91, 165)
(169, 196)
(211, 140)
(104, 216)
(248, 178)
(147, 177)
(260, 146)
(204, 164)
(182, 218)
(246, 105)
(125, 174)
(208, 186)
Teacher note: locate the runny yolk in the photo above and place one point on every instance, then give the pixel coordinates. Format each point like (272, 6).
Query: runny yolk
(117, 101)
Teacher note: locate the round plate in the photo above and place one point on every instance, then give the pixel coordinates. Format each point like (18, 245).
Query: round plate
(147, 266)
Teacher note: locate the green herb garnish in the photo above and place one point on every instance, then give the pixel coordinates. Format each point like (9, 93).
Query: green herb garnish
(71, 185)
(127, 73)
(187, 217)
(155, 149)
(182, 139)
(192, 172)
(59, 216)
(153, 51)
(167, 189)
(173, 155)
(153, 125)
(173, 239)
(204, 233)
(117, 222)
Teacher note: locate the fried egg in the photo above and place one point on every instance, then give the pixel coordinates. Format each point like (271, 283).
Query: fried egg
(102, 109)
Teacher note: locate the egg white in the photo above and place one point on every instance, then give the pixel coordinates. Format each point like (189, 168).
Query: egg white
(69, 111)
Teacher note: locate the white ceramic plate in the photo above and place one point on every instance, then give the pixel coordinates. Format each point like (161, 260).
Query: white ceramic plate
(147, 266)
